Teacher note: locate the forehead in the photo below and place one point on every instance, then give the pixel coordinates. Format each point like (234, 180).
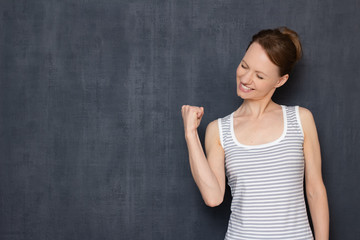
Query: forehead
(257, 59)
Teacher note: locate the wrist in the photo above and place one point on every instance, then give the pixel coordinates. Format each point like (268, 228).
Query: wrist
(190, 133)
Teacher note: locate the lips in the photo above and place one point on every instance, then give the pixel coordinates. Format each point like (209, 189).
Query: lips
(245, 88)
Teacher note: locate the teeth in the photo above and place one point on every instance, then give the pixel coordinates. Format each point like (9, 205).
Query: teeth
(247, 88)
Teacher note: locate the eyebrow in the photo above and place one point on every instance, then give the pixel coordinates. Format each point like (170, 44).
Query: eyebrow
(255, 70)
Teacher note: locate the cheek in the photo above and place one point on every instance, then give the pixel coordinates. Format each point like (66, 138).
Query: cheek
(238, 78)
(239, 73)
(267, 85)
(239, 69)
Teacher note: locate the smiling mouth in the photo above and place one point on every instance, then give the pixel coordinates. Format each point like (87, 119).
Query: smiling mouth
(245, 87)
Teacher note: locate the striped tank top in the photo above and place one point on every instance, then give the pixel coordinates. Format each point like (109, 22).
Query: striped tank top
(266, 183)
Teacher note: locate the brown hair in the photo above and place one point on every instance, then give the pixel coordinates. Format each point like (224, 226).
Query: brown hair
(282, 46)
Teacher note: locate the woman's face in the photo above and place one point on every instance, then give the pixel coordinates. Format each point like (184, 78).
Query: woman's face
(256, 76)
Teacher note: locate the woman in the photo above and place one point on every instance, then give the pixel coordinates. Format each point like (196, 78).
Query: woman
(264, 149)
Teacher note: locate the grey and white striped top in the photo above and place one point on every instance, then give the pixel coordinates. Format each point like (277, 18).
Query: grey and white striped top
(266, 183)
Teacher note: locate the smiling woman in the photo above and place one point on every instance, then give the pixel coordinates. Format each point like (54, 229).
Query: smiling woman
(264, 149)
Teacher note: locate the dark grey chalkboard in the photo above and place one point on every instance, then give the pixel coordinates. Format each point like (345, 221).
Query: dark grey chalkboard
(91, 136)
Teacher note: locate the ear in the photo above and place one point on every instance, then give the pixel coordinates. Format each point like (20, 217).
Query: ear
(282, 80)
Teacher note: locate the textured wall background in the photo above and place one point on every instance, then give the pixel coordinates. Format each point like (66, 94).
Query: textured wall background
(91, 136)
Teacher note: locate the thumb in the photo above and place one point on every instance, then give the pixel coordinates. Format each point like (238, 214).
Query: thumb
(201, 111)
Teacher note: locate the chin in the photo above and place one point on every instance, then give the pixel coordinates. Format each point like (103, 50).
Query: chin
(243, 95)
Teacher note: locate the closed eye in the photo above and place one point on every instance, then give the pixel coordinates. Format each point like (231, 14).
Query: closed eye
(259, 76)
(243, 66)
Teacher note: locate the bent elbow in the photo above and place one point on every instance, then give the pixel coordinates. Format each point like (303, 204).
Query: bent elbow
(213, 202)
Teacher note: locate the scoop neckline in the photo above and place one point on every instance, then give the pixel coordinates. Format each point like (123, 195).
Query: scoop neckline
(264, 144)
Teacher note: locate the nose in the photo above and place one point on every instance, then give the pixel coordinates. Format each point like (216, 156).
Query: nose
(246, 78)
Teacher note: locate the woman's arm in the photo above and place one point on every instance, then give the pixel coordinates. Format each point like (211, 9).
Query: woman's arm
(315, 188)
(208, 172)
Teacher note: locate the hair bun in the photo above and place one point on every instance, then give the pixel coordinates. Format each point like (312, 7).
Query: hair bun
(294, 38)
(282, 45)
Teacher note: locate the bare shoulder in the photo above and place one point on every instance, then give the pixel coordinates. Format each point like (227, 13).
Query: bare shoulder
(306, 115)
(212, 136)
(307, 121)
(213, 126)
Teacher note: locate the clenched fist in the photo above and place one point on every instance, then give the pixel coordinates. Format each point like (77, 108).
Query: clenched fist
(192, 117)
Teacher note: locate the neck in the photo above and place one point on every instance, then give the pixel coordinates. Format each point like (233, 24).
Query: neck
(256, 108)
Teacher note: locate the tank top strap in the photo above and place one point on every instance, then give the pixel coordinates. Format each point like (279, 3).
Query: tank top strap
(294, 127)
(224, 130)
